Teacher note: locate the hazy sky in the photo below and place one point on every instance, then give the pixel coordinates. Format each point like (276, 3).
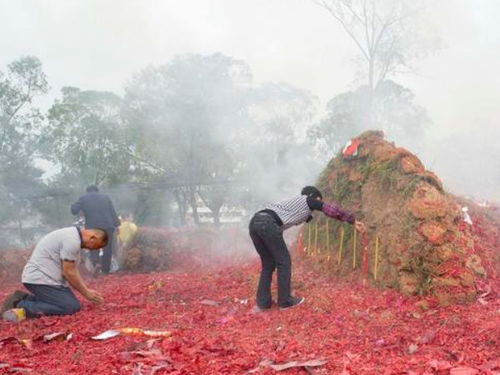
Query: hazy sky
(99, 44)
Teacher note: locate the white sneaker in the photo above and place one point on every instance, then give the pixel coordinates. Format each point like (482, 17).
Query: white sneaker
(14, 315)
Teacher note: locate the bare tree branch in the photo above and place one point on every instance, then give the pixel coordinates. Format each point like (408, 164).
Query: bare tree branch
(25, 99)
(348, 30)
(365, 25)
(373, 24)
(377, 31)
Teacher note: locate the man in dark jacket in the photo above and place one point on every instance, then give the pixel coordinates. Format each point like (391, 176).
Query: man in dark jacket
(266, 231)
(99, 213)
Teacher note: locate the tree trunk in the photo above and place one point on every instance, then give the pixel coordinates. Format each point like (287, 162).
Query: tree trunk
(371, 72)
(216, 213)
(194, 205)
(181, 205)
(214, 206)
(20, 227)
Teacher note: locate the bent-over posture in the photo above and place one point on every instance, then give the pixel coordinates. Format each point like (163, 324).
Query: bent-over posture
(266, 230)
(99, 212)
(52, 265)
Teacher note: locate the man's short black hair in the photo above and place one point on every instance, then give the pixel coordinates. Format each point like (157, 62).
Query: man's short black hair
(101, 233)
(312, 191)
(91, 188)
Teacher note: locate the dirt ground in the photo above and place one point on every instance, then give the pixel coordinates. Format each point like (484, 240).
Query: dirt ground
(356, 329)
(418, 295)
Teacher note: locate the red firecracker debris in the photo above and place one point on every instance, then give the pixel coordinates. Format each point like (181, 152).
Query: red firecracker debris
(356, 329)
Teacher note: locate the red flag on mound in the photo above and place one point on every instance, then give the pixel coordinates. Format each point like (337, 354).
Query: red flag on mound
(351, 148)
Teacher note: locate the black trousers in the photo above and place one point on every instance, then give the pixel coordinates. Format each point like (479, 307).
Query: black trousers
(267, 237)
(107, 252)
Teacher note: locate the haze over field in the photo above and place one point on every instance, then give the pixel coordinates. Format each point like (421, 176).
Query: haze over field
(297, 90)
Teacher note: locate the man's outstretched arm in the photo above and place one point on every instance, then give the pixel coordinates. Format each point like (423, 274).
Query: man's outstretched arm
(336, 212)
(71, 273)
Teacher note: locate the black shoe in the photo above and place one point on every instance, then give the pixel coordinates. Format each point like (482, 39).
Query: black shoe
(12, 299)
(295, 301)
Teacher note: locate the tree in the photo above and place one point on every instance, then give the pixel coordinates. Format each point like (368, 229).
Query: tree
(385, 33)
(180, 114)
(19, 119)
(274, 150)
(281, 113)
(199, 121)
(86, 139)
(388, 39)
(218, 188)
(20, 122)
(394, 111)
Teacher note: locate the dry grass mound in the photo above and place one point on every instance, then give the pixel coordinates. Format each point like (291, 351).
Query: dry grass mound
(155, 249)
(425, 247)
(12, 262)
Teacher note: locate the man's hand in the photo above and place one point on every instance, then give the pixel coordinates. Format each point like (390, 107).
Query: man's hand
(360, 227)
(71, 273)
(94, 296)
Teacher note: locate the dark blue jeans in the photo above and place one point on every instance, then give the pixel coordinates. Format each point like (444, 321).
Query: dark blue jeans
(49, 300)
(267, 237)
(107, 252)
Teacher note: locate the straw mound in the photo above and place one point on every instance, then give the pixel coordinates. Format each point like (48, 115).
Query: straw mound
(12, 262)
(155, 249)
(425, 245)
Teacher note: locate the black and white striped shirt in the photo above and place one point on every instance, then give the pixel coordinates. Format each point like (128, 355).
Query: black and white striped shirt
(297, 210)
(293, 211)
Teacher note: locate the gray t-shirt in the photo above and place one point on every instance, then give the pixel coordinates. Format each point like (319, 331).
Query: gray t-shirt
(45, 264)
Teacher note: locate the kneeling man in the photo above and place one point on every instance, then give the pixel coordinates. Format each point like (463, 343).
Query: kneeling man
(52, 265)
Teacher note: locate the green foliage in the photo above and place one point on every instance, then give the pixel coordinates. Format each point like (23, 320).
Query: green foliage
(408, 225)
(86, 138)
(366, 167)
(179, 110)
(180, 114)
(322, 182)
(19, 119)
(419, 265)
(387, 173)
(199, 121)
(150, 208)
(389, 107)
(19, 129)
(272, 146)
(342, 188)
(339, 125)
(53, 206)
(409, 187)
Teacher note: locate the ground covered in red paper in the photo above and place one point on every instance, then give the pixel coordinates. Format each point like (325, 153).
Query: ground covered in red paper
(356, 329)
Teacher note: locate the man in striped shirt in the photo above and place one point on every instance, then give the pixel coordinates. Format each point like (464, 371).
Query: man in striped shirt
(266, 230)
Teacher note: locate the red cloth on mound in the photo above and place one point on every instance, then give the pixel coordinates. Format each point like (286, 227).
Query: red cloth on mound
(351, 148)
